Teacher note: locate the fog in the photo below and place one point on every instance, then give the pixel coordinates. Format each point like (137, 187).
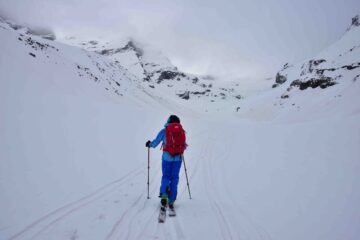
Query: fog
(243, 39)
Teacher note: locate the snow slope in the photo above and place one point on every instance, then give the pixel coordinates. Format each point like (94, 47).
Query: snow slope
(159, 77)
(73, 163)
(321, 87)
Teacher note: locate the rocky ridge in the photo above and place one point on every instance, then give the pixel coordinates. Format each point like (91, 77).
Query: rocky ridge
(335, 65)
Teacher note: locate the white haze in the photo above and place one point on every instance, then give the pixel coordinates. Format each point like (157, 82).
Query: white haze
(233, 38)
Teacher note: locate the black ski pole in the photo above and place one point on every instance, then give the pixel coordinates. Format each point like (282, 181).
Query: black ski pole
(148, 182)
(187, 179)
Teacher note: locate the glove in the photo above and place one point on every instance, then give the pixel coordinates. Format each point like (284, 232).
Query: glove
(147, 144)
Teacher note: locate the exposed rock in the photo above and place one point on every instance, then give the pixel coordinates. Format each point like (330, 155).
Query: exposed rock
(284, 96)
(322, 82)
(147, 78)
(355, 21)
(32, 54)
(201, 93)
(129, 46)
(309, 67)
(167, 75)
(280, 79)
(37, 45)
(356, 77)
(185, 95)
(195, 80)
(318, 62)
(352, 66)
(286, 66)
(321, 71)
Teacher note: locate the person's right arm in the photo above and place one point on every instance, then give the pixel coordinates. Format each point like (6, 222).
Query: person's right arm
(159, 138)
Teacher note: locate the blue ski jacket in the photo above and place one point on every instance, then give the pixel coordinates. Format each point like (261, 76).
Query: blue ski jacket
(162, 138)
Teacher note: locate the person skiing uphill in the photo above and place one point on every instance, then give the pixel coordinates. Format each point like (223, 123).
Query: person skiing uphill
(173, 141)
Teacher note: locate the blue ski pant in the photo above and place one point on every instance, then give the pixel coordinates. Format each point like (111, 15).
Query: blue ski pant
(170, 178)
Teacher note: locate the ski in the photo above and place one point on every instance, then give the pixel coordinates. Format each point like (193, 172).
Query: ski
(162, 214)
(172, 212)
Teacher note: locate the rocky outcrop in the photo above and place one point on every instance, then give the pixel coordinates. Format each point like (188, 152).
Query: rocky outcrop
(129, 46)
(280, 79)
(355, 22)
(42, 32)
(322, 82)
(185, 95)
(310, 66)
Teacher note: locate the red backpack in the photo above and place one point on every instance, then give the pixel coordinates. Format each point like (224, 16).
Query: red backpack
(175, 139)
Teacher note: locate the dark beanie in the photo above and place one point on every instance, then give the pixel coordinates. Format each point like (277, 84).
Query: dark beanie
(174, 119)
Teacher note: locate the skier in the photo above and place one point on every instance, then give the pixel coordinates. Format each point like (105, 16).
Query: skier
(173, 141)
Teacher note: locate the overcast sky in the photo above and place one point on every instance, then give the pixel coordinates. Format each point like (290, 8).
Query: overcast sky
(243, 38)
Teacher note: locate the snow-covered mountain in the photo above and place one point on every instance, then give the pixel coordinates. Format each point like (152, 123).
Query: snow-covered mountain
(75, 115)
(41, 32)
(149, 69)
(337, 64)
(328, 81)
(158, 75)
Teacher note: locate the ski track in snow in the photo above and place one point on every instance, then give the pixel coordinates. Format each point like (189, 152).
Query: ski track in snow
(138, 220)
(212, 194)
(131, 213)
(55, 216)
(229, 225)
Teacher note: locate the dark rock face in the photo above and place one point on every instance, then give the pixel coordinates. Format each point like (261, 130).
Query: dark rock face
(275, 85)
(185, 95)
(321, 71)
(311, 66)
(201, 93)
(168, 75)
(355, 21)
(280, 79)
(317, 62)
(356, 77)
(195, 80)
(284, 96)
(322, 82)
(147, 78)
(129, 46)
(352, 66)
(37, 45)
(286, 65)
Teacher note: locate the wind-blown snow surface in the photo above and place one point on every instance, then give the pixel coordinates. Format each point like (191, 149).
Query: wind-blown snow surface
(73, 163)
